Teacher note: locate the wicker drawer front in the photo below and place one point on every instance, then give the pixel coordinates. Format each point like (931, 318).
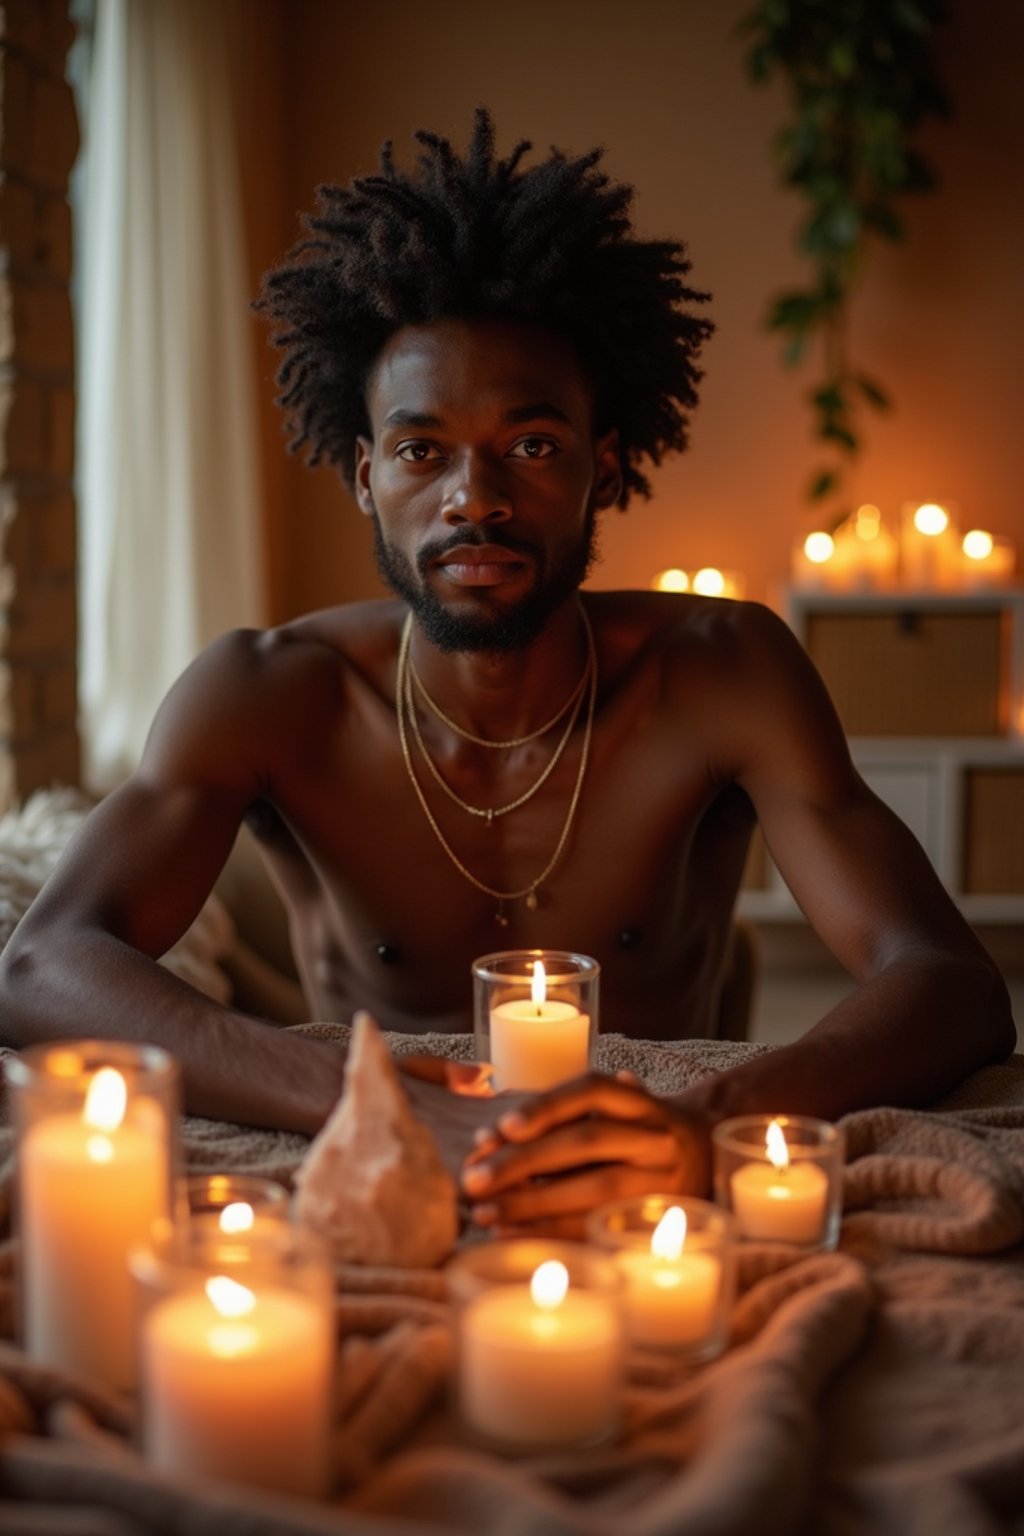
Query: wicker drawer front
(917, 673)
(994, 832)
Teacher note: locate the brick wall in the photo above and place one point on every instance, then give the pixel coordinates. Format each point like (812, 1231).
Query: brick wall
(38, 640)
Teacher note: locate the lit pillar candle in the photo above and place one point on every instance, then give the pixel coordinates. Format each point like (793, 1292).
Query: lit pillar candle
(91, 1183)
(987, 561)
(929, 548)
(537, 1041)
(540, 1365)
(780, 1199)
(236, 1385)
(672, 1295)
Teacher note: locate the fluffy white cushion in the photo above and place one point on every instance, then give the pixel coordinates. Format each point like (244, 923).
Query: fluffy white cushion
(32, 839)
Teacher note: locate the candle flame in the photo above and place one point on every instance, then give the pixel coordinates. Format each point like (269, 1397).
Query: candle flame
(977, 544)
(931, 519)
(819, 547)
(775, 1143)
(539, 984)
(236, 1217)
(549, 1285)
(669, 1235)
(106, 1100)
(709, 582)
(672, 580)
(228, 1297)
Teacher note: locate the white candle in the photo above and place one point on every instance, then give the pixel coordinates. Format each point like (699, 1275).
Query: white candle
(236, 1385)
(672, 1291)
(91, 1185)
(540, 1365)
(538, 1041)
(780, 1200)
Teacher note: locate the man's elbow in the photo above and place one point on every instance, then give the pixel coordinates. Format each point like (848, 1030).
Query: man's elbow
(20, 990)
(996, 1016)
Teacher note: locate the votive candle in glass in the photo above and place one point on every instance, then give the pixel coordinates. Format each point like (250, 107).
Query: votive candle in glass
(781, 1176)
(97, 1127)
(539, 1343)
(676, 1259)
(235, 1200)
(535, 1016)
(237, 1354)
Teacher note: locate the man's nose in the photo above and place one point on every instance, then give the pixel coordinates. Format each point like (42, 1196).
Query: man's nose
(476, 493)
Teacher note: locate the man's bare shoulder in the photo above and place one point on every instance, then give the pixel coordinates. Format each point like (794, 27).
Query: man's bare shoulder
(691, 634)
(253, 691)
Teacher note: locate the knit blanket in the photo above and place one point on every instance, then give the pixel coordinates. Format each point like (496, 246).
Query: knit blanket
(878, 1389)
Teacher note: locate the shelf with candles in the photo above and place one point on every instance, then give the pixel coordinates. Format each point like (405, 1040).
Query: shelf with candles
(929, 554)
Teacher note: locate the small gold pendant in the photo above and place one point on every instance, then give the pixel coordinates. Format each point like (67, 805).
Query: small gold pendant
(531, 901)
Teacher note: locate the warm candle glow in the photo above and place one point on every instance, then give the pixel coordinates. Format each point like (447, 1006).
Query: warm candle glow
(669, 1235)
(775, 1143)
(819, 547)
(228, 1297)
(977, 544)
(672, 580)
(236, 1217)
(549, 1285)
(931, 519)
(867, 523)
(538, 985)
(106, 1100)
(709, 581)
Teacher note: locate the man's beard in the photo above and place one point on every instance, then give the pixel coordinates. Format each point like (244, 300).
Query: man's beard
(482, 631)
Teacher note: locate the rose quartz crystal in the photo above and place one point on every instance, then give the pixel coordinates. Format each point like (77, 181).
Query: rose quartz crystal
(372, 1183)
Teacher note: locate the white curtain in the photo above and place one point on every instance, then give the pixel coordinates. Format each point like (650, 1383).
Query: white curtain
(170, 544)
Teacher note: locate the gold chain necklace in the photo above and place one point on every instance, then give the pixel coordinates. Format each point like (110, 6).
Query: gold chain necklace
(491, 813)
(516, 741)
(529, 892)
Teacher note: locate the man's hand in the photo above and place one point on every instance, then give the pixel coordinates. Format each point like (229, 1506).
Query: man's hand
(546, 1164)
(454, 1099)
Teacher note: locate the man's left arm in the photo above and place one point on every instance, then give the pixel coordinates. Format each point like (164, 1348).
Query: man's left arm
(930, 1006)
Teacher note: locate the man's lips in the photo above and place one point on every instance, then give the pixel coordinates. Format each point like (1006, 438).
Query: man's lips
(480, 565)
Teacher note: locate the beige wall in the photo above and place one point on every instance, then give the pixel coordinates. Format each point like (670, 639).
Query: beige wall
(660, 83)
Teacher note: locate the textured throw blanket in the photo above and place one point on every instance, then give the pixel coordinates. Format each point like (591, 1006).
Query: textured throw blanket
(875, 1390)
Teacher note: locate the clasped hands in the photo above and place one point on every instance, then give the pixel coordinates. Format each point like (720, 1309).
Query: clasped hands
(537, 1164)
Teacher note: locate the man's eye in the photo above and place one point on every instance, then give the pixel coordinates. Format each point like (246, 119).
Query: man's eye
(417, 452)
(533, 448)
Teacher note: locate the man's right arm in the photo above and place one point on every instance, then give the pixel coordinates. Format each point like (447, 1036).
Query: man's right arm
(83, 960)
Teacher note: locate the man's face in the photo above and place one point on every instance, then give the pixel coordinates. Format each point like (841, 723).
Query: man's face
(483, 478)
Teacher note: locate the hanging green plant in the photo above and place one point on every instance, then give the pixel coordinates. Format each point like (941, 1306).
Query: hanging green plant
(861, 79)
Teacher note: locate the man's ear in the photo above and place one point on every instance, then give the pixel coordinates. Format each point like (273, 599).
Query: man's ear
(361, 481)
(608, 464)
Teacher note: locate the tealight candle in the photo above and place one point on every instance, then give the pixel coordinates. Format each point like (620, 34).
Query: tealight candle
(237, 1354)
(781, 1177)
(97, 1123)
(675, 1257)
(539, 1341)
(535, 1013)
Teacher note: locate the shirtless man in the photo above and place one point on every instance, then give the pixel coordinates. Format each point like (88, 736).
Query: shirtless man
(493, 760)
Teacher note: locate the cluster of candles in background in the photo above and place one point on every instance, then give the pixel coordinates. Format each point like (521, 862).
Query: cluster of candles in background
(205, 1297)
(926, 553)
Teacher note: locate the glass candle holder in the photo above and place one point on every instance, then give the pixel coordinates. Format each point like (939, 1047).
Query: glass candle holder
(237, 1354)
(535, 1016)
(676, 1258)
(96, 1126)
(235, 1200)
(539, 1339)
(782, 1177)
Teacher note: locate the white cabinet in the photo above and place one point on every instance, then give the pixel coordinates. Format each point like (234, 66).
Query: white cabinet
(948, 671)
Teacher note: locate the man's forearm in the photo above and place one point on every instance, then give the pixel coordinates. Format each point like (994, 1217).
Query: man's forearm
(906, 1037)
(233, 1067)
